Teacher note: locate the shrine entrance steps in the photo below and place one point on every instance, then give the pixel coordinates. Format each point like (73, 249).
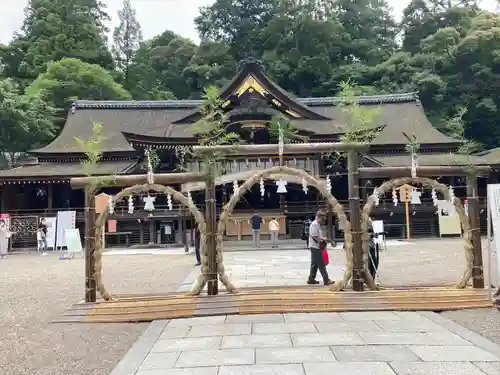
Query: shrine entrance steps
(271, 300)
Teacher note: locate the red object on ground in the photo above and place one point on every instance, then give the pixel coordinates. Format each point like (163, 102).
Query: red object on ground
(326, 258)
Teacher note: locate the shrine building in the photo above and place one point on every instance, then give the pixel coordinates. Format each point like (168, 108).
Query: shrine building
(40, 186)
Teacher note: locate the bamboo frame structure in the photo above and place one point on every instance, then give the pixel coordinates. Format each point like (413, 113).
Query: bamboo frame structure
(425, 182)
(472, 173)
(94, 227)
(288, 148)
(273, 173)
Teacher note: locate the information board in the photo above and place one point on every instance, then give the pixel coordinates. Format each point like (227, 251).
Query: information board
(72, 240)
(6, 219)
(65, 220)
(493, 196)
(51, 223)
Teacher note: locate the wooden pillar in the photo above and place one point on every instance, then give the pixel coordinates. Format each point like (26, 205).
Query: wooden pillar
(152, 233)
(183, 229)
(211, 218)
(50, 196)
(90, 285)
(141, 232)
(473, 203)
(353, 182)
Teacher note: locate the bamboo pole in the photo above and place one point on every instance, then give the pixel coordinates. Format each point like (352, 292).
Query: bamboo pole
(423, 171)
(354, 208)
(211, 217)
(130, 180)
(90, 284)
(473, 208)
(407, 218)
(288, 148)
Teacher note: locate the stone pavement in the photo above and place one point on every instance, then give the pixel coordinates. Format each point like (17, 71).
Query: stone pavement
(352, 343)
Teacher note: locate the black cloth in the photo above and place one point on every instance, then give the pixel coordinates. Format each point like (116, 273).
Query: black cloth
(318, 263)
(197, 243)
(256, 221)
(373, 258)
(43, 227)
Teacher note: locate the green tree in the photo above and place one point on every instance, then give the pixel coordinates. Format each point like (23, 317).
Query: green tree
(127, 37)
(71, 79)
(25, 122)
(55, 29)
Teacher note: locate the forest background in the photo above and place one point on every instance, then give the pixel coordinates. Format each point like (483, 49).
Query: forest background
(447, 50)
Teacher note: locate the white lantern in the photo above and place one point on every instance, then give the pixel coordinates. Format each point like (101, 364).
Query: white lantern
(281, 186)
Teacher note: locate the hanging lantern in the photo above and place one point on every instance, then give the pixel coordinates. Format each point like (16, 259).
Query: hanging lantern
(130, 205)
(149, 204)
(434, 197)
(395, 197)
(376, 196)
(169, 202)
(111, 207)
(281, 186)
(451, 193)
(304, 185)
(415, 197)
(262, 187)
(235, 186)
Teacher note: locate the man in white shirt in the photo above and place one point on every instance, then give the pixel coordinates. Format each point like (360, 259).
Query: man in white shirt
(274, 228)
(316, 236)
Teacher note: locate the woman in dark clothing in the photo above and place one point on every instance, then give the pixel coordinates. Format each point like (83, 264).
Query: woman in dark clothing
(373, 255)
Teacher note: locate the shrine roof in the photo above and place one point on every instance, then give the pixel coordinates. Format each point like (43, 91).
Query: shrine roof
(169, 120)
(64, 171)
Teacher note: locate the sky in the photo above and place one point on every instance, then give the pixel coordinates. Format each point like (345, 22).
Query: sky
(155, 16)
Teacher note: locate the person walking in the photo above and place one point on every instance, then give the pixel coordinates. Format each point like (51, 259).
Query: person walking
(42, 239)
(274, 228)
(256, 221)
(5, 234)
(317, 241)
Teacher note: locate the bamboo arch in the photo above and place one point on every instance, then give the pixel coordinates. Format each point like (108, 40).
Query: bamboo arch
(103, 216)
(275, 173)
(444, 190)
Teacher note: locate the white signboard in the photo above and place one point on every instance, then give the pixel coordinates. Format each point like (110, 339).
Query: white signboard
(51, 232)
(73, 240)
(65, 220)
(493, 196)
(378, 231)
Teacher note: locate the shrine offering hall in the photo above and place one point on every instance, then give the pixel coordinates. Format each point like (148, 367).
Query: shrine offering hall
(39, 186)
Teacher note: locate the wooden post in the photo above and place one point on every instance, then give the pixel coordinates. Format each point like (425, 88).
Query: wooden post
(405, 196)
(90, 285)
(49, 196)
(151, 232)
(183, 232)
(353, 182)
(211, 217)
(473, 208)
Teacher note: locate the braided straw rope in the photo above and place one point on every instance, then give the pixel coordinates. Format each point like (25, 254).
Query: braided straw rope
(425, 182)
(276, 173)
(103, 216)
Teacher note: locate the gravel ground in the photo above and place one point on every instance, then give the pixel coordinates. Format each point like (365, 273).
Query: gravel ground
(486, 322)
(35, 290)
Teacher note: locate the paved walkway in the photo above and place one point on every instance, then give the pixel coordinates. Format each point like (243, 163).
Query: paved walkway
(353, 343)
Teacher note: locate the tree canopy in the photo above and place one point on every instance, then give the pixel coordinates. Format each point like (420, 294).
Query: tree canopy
(447, 51)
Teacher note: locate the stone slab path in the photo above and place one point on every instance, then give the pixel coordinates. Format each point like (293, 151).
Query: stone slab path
(352, 343)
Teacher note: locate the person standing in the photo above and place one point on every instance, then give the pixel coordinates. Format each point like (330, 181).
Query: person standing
(274, 228)
(5, 234)
(317, 241)
(42, 229)
(256, 221)
(197, 243)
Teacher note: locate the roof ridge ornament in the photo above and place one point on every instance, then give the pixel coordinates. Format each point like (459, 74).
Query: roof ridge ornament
(250, 61)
